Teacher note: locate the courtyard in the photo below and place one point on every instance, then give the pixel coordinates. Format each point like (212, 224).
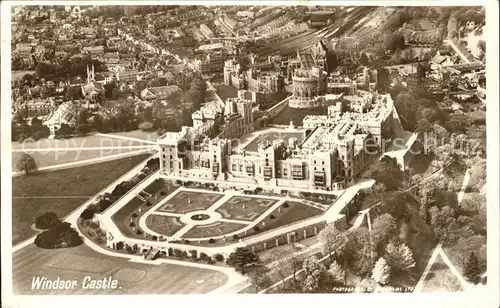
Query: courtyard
(272, 135)
(245, 208)
(188, 201)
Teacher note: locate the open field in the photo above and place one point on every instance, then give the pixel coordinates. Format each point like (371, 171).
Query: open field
(166, 225)
(60, 191)
(245, 208)
(186, 201)
(133, 278)
(52, 158)
(216, 229)
(441, 279)
(76, 142)
(254, 144)
(139, 134)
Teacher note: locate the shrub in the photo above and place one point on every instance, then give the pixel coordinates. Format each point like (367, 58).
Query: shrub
(286, 205)
(138, 232)
(211, 241)
(147, 203)
(170, 251)
(154, 238)
(210, 260)
(134, 215)
(178, 253)
(186, 241)
(132, 224)
(94, 225)
(184, 254)
(219, 257)
(47, 221)
(271, 216)
(146, 126)
(193, 253)
(203, 256)
(61, 235)
(256, 228)
(235, 236)
(163, 193)
(88, 213)
(85, 223)
(91, 233)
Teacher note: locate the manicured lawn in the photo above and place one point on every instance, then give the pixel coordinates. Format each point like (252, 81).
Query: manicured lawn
(296, 115)
(133, 278)
(166, 225)
(52, 158)
(254, 145)
(77, 142)
(245, 208)
(216, 229)
(123, 216)
(187, 201)
(441, 279)
(139, 134)
(225, 92)
(295, 212)
(69, 189)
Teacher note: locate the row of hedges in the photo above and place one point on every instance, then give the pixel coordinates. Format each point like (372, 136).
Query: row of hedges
(107, 199)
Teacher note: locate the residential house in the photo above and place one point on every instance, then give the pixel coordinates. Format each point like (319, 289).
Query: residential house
(93, 50)
(159, 92)
(64, 114)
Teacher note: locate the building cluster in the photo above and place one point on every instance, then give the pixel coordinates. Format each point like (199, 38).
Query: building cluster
(257, 80)
(336, 146)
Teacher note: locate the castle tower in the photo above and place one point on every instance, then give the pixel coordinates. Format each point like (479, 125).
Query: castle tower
(90, 74)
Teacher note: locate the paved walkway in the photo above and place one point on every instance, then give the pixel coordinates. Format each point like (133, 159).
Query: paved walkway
(88, 161)
(127, 138)
(438, 251)
(73, 216)
(461, 193)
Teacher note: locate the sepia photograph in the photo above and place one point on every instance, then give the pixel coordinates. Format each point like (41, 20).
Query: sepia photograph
(249, 148)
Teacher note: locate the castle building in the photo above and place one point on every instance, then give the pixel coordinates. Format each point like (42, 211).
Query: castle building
(335, 149)
(92, 89)
(253, 80)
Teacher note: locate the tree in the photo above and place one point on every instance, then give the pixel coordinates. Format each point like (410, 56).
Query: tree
(315, 273)
(59, 236)
(46, 221)
(337, 273)
(471, 270)
(259, 277)
(399, 257)
(364, 59)
(88, 213)
(381, 271)
(26, 163)
(242, 260)
(286, 264)
(332, 240)
(358, 251)
(64, 130)
(383, 229)
(82, 129)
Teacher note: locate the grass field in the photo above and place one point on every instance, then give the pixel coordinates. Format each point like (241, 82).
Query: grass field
(254, 145)
(296, 115)
(166, 225)
(52, 158)
(123, 216)
(296, 211)
(77, 142)
(216, 229)
(148, 136)
(225, 92)
(133, 278)
(61, 191)
(245, 208)
(186, 201)
(441, 279)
